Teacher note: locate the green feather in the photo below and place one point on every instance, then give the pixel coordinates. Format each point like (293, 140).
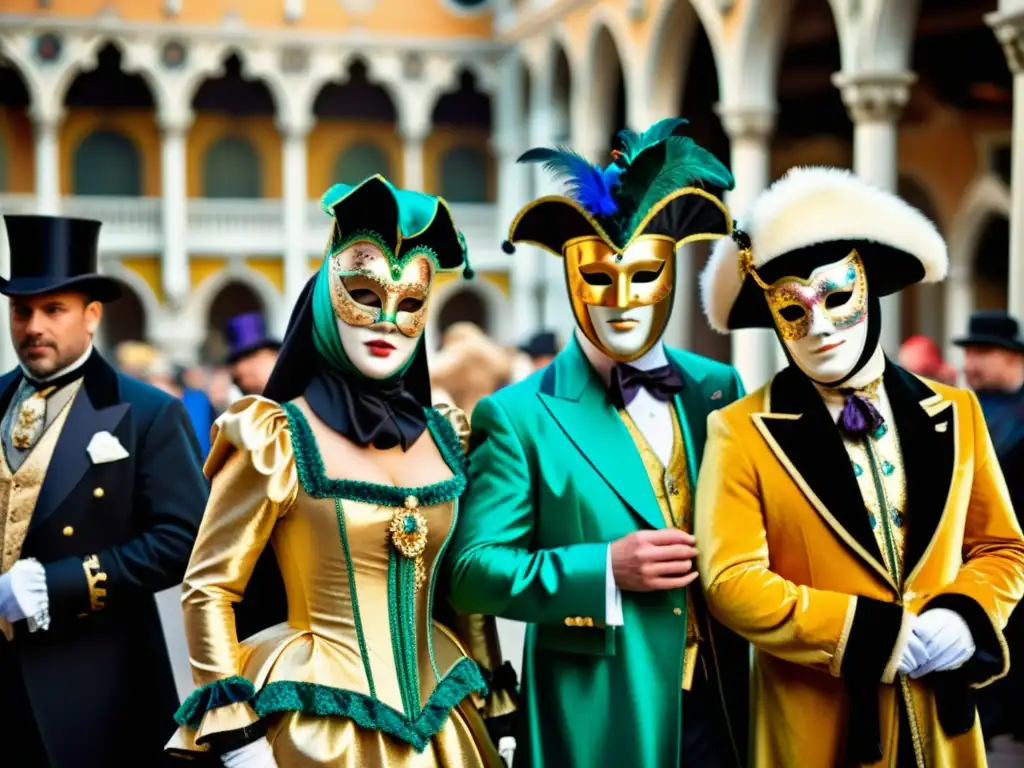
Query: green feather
(685, 164)
(634, 143)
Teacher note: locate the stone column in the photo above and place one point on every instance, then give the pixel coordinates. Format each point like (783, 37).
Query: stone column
(875, 101)
(1012, 39)
(47, 163)
(296, 259)
(174, 267)
(514, 182)
(412, 157)
(756, 353)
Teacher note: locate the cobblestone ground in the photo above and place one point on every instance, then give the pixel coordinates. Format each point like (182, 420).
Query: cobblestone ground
(1006, 754)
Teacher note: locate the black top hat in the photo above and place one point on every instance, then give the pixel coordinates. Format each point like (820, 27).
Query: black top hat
(993, 329)
(541, 345)
(54, 253)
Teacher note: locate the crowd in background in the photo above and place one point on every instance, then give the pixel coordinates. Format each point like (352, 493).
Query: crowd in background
(470, 366)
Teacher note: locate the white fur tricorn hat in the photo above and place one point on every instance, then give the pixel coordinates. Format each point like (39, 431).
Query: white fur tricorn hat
(812, 210)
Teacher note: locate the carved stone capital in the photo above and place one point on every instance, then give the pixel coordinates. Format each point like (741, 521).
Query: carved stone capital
(742, 122)
(874, 97)
(1011, 37)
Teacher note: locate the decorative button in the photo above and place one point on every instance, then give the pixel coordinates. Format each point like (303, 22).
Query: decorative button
(569, 621)
(588, 622)
(677, 611)
(98, 493)
(69, 531)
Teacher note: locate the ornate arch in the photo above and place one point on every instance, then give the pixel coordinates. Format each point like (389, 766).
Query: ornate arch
(985, 197)
(200, 300)
(749, 74)
(497, 304)
(150, 304)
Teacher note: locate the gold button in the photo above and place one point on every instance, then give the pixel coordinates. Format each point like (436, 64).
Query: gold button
(569, 621)
(677, 611)
(69, 531)
(589, 622)
(97, 492)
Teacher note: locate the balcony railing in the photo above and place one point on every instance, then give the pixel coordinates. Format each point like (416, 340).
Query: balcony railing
(134, 226)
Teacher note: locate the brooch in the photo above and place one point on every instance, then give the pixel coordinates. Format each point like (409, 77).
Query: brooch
(409, 535)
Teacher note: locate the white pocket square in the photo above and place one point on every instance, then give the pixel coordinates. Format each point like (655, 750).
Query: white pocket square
(104, 448)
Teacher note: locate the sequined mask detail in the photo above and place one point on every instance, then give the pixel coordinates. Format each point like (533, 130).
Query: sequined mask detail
(839, 291)
(641, 275)
(369, 285)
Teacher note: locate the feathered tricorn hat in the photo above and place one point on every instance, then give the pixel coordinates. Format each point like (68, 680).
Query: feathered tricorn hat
(810, 217)
(659, 183)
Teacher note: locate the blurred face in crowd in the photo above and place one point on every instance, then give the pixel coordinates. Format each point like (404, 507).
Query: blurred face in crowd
(197, 377)
(252, 372)
(993, 368)
(52, 331)
(219, 389)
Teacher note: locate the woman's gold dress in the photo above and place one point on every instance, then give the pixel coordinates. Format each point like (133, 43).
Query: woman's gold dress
(361, 675)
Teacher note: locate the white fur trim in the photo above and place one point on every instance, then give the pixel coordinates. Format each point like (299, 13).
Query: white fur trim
(816, 205)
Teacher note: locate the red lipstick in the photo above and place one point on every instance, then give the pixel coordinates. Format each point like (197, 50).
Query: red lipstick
(380, 348)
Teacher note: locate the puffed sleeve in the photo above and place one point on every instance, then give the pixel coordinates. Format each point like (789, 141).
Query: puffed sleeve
(479, 633)
(254, 482)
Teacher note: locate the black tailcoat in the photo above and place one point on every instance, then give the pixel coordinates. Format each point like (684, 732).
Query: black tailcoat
(98, 685)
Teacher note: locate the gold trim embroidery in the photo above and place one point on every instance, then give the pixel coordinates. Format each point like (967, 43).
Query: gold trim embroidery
(96, 578)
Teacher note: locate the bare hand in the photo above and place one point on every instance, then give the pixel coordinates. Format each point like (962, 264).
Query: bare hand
(649, 560)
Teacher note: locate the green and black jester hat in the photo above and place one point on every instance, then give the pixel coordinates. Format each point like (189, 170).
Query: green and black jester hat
(617, 228)
(355, 342)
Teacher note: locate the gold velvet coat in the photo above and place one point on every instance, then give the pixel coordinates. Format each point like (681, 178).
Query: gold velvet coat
(359, 675)
(788, 560)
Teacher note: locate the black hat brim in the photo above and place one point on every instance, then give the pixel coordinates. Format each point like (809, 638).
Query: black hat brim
(96, 287)
(987, 340)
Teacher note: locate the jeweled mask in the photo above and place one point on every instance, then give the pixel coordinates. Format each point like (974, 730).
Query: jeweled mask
(823, 319)
(621, 299)
(381, 301)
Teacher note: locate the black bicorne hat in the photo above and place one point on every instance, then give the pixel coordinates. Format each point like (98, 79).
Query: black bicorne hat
(55, 253)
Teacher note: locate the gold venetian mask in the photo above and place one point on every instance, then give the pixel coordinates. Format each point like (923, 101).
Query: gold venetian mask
(838, 291)
(368, 287)
(621, 299)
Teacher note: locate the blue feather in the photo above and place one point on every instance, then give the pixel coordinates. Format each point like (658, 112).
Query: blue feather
(586, 183)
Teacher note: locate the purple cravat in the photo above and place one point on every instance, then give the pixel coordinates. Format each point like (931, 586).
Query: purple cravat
(858, 417)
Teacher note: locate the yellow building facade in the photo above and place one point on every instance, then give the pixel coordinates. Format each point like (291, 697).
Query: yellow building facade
(203, 133)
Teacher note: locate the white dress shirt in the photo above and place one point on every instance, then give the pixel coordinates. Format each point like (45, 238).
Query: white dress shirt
(654, 420)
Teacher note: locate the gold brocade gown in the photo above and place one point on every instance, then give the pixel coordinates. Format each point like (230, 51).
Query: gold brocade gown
(360, 675)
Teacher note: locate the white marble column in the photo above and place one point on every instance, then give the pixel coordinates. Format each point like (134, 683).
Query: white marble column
(514, 190)
(173, 202)
(47, 163)
(296, 259)
(1012, 38)
(412, 157)
(875, 102)
(756, 353)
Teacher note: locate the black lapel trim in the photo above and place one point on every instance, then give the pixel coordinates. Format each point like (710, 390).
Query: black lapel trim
(8, 386)
(96, 408)
(929, 452)
(813, 445)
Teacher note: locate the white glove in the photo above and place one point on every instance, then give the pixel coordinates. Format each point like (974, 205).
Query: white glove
(507, 749)
(947, 641)
(914, 652)
(23, 594)
(258, 754)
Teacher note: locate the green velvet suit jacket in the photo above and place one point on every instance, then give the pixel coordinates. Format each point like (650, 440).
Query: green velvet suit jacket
(555, 477)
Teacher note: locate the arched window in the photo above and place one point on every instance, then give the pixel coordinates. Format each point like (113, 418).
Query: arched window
(464, 175)
(107, 163)
(231, 168)
(359, 161)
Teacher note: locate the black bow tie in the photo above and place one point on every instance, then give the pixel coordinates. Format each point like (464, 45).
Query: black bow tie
(661, 383)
